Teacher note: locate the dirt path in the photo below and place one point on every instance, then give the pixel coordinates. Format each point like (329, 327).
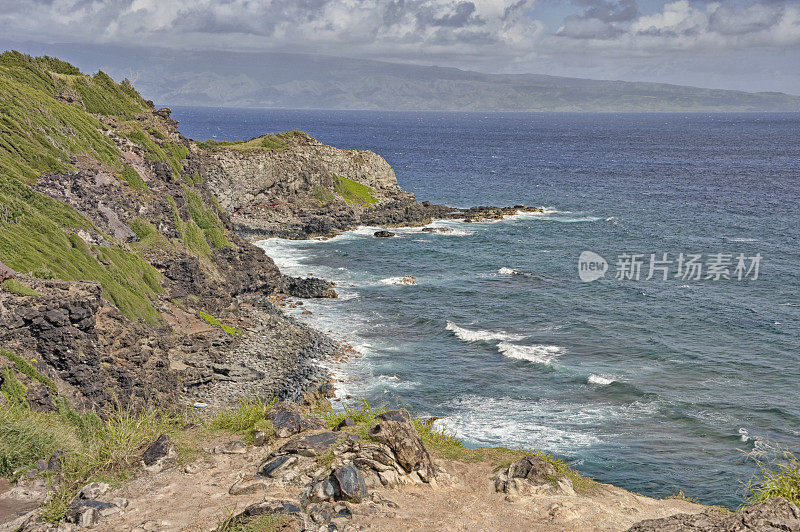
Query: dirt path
(176, 501)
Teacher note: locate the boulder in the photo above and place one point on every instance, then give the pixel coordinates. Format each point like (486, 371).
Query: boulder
(351, 483)
(159, 455)
(288, 419)
(311, 444)
(532, 475)
(776, 514)
(346, 422)
(383, 234)
(231, 447)
(6, 272)
(404, 441)
(307, 287)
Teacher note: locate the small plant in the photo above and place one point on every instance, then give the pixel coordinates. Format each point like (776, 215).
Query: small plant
(16, 287)
(133, 178)
(227, 329)
(779, 479)
(14, 391)
(27, 367)
(244, 418)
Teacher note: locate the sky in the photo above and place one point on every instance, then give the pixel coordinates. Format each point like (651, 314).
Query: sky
(740, 45)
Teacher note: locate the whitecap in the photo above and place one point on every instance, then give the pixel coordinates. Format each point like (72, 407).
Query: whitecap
(536, 353)
(407, 280)
(480, 335)
(507, 271)
(600, 380)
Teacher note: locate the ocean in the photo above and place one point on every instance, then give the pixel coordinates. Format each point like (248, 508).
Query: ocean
(655, 385)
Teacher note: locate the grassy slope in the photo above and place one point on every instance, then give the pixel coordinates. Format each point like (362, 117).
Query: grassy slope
(40, 134)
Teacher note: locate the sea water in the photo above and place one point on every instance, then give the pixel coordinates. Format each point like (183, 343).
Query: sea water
(653, 385)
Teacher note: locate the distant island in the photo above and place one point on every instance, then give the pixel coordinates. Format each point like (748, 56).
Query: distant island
(302, 81)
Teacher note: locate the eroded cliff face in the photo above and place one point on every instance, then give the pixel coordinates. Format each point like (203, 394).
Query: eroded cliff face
(301, 189)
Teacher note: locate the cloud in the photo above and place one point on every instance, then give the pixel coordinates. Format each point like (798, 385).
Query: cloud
(489, 35)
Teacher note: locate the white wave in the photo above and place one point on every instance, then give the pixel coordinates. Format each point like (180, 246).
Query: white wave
(395, 382)
(507, 271)
(407, 280)
(600, 380)
(537, 353)
(743, 239)
(481, 336)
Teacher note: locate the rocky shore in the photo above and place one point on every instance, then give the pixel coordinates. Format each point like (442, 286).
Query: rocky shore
(128, 285)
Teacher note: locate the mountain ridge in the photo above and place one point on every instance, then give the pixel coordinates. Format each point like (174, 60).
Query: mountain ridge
(296, 80)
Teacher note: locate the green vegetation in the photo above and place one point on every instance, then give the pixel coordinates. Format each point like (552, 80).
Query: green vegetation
(227, 329)
(16, 287)
(352, 192)
(261, 523)
(267, 142)
(12, 389)
(323, 195)
(133, 178)
(39, 134)
(207, 220)
(246, 418)
(27, 367)
(158, 150)
(781, 479)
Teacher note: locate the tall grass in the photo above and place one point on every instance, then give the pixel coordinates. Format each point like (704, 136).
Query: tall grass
(779, 479)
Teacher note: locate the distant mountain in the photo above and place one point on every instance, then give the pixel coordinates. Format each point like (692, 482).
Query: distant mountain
(311, 81)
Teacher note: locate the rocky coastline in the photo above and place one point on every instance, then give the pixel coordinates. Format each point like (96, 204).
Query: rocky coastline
(129, 285)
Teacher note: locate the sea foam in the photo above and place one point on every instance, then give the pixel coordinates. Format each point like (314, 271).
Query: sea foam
(537, 353)
(480, 335)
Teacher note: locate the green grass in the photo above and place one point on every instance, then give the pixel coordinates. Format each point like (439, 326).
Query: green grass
(40, 134)
(12, 389)
(227, 329)
(133, 178)
(267, 142)
(16, 287)
(242, 418)
(207, 220)
(292, 134)
(157, 150)
(781, 479)
(261, 523)
(352, 192)
(27, 367)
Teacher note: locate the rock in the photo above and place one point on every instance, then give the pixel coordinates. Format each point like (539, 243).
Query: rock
(198, 467)
(159, 455)
(87, 512)
(532, 468)
(776, 514)
(307, 287)
(272, 467)
(147, 526)
(439, 230)
(351, 483)
(383, 234)
(6, 272)
(400, 415)
(402, 438)
(346, 422)
(248, 485)
(271, 506)
(259, 438)
(231, 447)
(93, 490)
(325, 489)
(311, 444)
(288, 419)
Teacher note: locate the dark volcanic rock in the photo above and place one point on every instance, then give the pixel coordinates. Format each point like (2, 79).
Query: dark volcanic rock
(310, 444)
(776, 514)
(160, 454)
(383, 234)
(288, 419)
(307, 287)
(351, 483)
(532, 468)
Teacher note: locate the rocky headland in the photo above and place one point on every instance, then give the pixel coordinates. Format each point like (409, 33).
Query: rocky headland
(129, 285)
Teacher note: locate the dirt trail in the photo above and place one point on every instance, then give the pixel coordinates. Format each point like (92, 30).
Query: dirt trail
(176, 501)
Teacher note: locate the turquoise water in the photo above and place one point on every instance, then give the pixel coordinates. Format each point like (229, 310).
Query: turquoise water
(656, 386)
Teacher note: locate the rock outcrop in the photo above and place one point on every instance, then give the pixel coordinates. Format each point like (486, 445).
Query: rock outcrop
(773, 515)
